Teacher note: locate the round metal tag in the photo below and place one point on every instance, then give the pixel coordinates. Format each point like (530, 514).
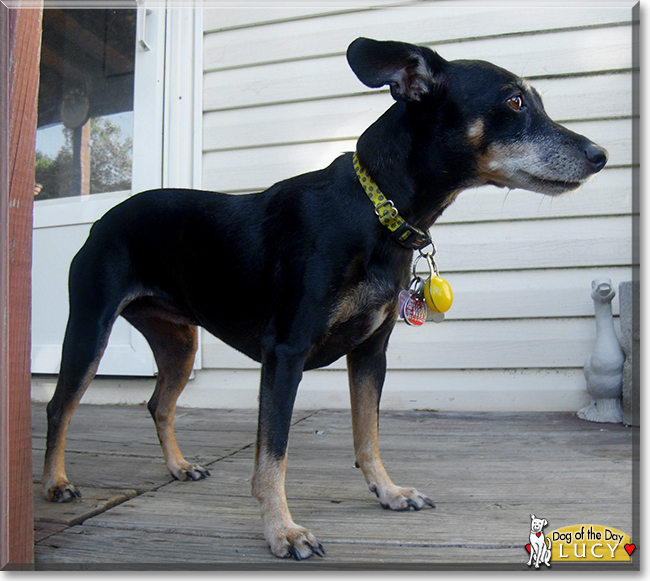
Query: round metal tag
(415, 311)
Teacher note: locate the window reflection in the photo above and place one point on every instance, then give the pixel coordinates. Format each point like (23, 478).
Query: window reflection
(85, 104)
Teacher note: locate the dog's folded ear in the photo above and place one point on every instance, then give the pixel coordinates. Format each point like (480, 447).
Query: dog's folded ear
(413, 72)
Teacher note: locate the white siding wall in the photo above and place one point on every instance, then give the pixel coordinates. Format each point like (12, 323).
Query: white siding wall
(279, 100)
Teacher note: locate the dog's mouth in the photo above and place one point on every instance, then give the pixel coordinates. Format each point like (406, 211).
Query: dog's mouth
(508, 175)
(547, 186)
(532, 183)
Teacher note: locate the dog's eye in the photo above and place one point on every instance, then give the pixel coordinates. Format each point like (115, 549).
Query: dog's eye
(516, 102)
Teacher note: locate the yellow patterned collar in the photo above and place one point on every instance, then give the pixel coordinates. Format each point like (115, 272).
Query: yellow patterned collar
(407, 235)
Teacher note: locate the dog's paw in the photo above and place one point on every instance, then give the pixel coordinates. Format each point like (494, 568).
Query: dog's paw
(398, 498)
(293, 541)
(63, 492)
(187, 471)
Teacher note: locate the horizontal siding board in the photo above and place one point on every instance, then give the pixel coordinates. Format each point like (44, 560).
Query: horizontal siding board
(447, 389)
(557, 53)
(554, 53)
(485, 390)
(345, 117)
(336, 118)
(585, 242)
(428, 23)
(258, 168)
(528, 293)
(220, 19)
(253, 13)
(510, 344)
(597, 96)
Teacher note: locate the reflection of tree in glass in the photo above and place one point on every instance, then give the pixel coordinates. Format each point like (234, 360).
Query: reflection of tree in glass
(110, 163)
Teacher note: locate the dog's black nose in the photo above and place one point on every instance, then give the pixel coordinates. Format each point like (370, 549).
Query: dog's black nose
(597, 156)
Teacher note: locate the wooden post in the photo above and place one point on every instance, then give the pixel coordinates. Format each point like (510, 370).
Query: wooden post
(19, 62)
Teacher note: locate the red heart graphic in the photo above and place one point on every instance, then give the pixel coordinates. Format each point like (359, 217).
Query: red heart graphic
(539, 535)
(630, 549)
(528, 547)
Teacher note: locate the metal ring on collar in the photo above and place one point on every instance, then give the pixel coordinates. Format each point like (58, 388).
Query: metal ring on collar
(391, 209)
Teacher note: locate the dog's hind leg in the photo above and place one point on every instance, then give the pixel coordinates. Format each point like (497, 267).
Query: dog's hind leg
(174, 345)
(366, 372)
(86, 335)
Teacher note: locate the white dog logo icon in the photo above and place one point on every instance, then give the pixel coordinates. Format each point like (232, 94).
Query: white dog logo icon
(540, 551)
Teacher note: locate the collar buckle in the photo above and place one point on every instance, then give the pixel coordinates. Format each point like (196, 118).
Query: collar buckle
(412, 237)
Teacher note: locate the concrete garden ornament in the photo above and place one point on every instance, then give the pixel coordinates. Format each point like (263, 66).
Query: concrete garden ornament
(604, 367)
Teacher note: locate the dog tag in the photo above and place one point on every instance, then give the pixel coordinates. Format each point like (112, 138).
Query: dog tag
(437, 294)
(435, 317)
(412, 307)
(415, 311)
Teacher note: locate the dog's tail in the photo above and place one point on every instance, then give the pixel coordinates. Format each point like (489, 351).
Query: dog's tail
(548, 543)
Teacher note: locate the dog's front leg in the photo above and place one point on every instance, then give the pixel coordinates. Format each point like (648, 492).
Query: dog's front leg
(532, 554)
(366, 371)
(281, 374)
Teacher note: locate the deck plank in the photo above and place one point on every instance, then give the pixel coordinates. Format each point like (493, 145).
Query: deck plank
(486, 472)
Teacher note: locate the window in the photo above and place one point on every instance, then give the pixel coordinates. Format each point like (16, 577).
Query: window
(119, 113)
(84, 141)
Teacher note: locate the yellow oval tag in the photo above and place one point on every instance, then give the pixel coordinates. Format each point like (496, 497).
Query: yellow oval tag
(438, 295)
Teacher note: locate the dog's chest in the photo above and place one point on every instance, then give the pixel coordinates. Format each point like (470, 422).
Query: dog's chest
(359, 311)
(356, 314)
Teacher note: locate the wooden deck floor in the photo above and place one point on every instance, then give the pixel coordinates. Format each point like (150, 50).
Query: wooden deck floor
(486, 472)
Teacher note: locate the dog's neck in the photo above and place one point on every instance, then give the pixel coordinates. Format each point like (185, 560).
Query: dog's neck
(390, 151)
(400, 230)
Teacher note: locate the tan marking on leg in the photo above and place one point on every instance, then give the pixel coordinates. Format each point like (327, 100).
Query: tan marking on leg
(55, 483)
(56, 486)
(174, 345)
(365, 428)
(284, 537)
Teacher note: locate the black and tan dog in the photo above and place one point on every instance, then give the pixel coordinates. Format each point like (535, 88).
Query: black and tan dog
(167, 261)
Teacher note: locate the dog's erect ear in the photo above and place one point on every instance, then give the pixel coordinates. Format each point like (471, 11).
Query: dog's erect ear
(532, 517)
(411, 71)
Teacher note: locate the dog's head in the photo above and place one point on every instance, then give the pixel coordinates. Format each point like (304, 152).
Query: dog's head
(474, 110)
(537, 524)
